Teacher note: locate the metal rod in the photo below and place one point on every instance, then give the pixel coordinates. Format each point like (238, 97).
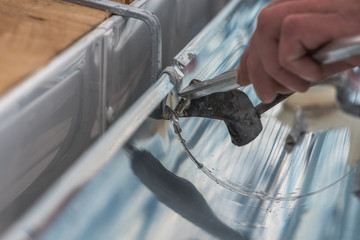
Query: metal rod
(146, 16)
(263, 107)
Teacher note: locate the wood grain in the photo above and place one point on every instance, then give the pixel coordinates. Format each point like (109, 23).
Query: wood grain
(34, 31)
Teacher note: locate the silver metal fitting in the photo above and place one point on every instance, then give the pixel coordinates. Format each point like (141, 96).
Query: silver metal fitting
(150, 19)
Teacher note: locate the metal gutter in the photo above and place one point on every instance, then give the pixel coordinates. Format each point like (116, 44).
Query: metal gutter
(38, 218)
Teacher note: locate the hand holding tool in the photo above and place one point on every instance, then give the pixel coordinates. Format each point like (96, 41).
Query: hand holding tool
(334, 51)
(215, 98)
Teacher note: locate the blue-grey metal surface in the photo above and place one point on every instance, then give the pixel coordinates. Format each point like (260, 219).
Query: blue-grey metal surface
(348, 93)
(50, 119)
(151, 190)
(124, 39)
(46, 123)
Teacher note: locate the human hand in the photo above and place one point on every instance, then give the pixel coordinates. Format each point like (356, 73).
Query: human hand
(277, 58)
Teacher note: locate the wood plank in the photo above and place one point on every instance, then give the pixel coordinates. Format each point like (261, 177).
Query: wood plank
(34, 31)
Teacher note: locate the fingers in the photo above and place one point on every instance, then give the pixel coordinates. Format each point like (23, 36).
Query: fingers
(270, 19)
(252, 70)
(268, 49)
(277, 2)
(242, 70)
(304, 33)
(264, 86)
(298, 37)
(260, 64)
(353, 61)
(333, 68)
(277, 59)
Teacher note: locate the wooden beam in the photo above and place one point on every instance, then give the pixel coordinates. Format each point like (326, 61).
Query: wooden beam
(32, 32)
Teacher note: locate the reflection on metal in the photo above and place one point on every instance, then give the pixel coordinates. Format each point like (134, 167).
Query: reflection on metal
(189, 203)
(356, 185)
(49, 120)
(348, 93)
(95, 159)
(147, 17)
(338, 50)
(183, 60)
(46, 123)
(239, 188)
(297, 131)
(150, 190)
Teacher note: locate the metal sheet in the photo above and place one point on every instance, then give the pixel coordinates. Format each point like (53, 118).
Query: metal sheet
(50, 119)
(151, 190)
(46, 123)
(127, 66)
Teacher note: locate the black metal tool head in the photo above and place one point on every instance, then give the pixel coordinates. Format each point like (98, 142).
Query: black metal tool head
(233, 107)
